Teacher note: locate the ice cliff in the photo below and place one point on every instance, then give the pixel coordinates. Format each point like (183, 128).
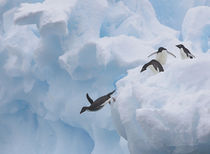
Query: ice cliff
(53, 52)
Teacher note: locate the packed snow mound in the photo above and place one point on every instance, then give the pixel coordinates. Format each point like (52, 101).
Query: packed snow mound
(168, 112)
(198, 34)
(50, 17)
(102, 53)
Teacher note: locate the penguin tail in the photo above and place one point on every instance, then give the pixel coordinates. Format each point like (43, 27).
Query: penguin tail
(109, 94)
(191, 56)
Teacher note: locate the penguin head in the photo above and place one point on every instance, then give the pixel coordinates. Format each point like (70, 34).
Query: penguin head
(83, 109)
(143, 68)
(161, 49)
(180, 46)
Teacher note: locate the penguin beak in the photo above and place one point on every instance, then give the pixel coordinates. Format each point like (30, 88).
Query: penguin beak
(83, 110)
(171, 54)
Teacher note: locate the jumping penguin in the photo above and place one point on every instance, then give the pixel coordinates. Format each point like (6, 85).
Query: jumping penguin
(184, 52)
(98, 103)
(154, 65)
(162, 55)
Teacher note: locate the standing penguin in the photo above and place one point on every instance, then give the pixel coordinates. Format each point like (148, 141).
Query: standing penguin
(154, 65)
(184, 52)
(162, 54)
(98, 103)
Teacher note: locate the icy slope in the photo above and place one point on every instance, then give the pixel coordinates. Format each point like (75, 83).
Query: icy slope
(168, 112)
(53, 52)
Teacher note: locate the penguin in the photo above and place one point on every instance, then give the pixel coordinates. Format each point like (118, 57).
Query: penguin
(154, 65)
(184, 52)
(98, 103)
(162, 54)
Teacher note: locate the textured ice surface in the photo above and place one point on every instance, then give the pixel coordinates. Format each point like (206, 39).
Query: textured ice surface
(50, 16)
(53, 52)
(199, 33)
(172, 13)
(167, 112)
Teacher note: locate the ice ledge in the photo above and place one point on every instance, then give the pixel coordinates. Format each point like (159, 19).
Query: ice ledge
(165, 113)
(50, 18)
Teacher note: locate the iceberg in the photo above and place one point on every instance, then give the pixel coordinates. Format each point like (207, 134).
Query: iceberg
(198, 35)
(167, 112)
(54, 52)
(172, 13)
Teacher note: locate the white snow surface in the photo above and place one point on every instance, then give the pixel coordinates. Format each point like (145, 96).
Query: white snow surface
(199, 33)
(54, 52)
(167, 112)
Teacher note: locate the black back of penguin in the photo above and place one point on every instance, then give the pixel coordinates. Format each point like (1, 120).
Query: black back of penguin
(186, 51)
(102, 99)
(97, 104)
(156, 64)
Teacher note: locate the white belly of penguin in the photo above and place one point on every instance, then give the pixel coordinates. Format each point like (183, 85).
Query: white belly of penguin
(153, 69)
(109, 100)
(183, 54)
(162, 57)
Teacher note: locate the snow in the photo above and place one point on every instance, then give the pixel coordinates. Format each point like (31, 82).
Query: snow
(166, 114)
(198, 35)
(54, 52)
(172, 13)
(50, 16)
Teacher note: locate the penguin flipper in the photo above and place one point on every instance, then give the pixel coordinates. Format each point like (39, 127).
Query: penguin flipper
(89, 99)
(171, 54)
(160, 68)
(152, 54)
